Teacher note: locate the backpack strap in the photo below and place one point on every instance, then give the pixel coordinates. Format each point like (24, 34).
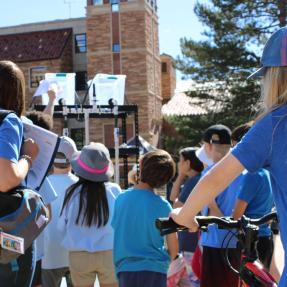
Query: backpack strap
(3, 114)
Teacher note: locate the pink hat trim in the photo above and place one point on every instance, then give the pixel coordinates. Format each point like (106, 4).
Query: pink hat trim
(91, 170)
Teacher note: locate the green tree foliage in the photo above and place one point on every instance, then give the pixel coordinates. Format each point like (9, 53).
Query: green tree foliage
(233, 40)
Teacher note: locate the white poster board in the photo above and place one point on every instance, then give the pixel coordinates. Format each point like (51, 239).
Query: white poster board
(48, 144)
(104, 87)
(62, 83)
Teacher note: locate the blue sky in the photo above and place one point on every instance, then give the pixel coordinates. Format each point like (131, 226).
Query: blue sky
(176, 18)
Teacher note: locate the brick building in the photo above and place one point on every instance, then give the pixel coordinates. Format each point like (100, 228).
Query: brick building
(115, 37)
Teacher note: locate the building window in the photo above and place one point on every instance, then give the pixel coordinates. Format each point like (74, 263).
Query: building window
(80, 43)
(163, 67)
(97, 2)
(81, 81)
(36, 75)
(115, 7)
(116, 48)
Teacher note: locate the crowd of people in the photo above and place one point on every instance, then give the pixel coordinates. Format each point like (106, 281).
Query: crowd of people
(99, 231)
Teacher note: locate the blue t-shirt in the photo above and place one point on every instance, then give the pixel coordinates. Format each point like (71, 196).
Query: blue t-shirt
(11, 133)
(188, 187)
(257, 192)
(215, 237)
(138, 245)
(187, 240)
(265, 145)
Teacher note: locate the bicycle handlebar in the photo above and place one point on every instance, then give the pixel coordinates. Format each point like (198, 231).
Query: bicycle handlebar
(168, 225)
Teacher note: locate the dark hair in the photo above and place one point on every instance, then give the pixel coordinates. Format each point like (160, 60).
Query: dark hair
(40, 119)
(240, 131)
(12, 87)
(93, 207)
(157, 168)
(188, 153)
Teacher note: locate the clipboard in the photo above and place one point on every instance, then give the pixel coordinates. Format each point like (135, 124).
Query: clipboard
(48, 146)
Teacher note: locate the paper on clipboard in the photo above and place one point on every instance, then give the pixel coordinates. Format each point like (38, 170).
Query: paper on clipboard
(48, 144)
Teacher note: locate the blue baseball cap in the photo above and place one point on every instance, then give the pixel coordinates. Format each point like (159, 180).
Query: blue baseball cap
(274, 53)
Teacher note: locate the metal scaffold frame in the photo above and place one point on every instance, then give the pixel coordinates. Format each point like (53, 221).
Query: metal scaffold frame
(111, 111)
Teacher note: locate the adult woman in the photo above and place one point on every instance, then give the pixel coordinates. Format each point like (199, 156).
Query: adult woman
(264, 145)
(15, 159)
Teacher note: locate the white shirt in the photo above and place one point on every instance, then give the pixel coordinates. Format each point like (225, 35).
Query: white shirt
(81, 237)
(55, 256)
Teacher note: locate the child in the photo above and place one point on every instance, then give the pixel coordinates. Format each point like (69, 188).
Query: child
(217, 142)
(86, 215)
(55, 258)
(255, 200)
(140, 256)
(189, 172)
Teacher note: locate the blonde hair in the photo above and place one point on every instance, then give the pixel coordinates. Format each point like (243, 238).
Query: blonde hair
(274, 89)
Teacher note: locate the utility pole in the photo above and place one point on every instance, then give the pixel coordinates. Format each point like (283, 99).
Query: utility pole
(70, 8)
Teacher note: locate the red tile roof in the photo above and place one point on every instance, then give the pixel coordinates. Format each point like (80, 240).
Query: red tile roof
(34, 46)
(182, 105)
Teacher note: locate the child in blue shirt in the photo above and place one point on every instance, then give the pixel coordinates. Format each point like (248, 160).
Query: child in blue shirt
(264, 146)
(255, 199)
(217, 142)
(140, 256)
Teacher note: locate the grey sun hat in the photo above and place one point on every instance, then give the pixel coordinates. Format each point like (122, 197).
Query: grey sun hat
(93, 163)
(67, 148)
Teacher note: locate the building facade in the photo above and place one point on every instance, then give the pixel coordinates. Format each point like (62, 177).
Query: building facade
(115, 37)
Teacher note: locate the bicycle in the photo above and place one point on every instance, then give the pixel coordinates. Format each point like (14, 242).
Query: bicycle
(251, 272)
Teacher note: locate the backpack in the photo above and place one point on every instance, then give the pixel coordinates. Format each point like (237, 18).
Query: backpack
(22, 214)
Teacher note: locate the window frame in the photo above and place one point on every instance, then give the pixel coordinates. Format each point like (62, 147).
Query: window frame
(77, 41)
(116, 48)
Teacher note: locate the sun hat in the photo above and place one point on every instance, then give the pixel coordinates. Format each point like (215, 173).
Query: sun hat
(67, 148)
(274, 52)
(201, 154)
(93, 163)
(217, 134)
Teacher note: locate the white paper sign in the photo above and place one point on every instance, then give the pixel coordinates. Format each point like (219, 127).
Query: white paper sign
(62, 83)
(104, 87)
(43, 87)
(47, 142)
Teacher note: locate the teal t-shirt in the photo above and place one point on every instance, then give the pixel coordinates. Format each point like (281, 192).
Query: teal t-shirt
(138, 245)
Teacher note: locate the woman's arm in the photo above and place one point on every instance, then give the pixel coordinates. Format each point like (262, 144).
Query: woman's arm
(214, 182)
(13, 173)
(239, 209)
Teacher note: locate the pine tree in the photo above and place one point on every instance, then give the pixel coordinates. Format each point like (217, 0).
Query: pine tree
(235, 33)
